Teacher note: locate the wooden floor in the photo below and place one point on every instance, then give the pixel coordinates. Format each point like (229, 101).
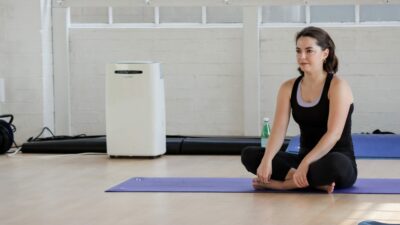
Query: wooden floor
(69, 189)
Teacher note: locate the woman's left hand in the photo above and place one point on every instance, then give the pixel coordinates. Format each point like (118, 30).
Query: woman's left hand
(300, 176)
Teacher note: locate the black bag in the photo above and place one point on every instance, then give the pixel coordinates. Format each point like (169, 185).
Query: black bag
(6, 133)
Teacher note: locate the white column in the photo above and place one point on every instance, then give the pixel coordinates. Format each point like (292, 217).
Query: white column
(62, 106)
(110, 15)
(357, 14)
(251, 71)
(47, 64)
(2, 94)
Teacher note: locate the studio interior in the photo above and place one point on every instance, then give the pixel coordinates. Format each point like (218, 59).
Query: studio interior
(200, 112)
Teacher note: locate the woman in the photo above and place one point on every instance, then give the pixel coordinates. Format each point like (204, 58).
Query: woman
(321, 103)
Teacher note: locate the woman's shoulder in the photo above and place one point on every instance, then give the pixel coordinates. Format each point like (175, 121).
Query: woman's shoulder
(339, 82)
(339, 86)
(289, 83)
(287, 86)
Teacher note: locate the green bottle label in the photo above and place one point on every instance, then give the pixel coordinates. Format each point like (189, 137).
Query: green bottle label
(266, 131)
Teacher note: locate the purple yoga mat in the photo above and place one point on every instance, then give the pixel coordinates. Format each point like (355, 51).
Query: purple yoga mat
(241, 185)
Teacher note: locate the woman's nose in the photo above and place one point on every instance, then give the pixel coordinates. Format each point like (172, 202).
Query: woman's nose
(301, 55)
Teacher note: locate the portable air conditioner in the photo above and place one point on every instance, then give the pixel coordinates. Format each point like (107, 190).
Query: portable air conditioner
(135, 110)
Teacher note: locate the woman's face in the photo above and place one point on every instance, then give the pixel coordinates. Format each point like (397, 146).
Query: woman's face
(310, 56)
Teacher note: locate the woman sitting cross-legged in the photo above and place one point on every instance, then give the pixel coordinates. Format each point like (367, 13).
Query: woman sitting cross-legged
(321, 103)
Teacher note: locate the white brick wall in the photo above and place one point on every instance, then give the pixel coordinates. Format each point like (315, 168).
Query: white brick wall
(21, 64)
(202, 70)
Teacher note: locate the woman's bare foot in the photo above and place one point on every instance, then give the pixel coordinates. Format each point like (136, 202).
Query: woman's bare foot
(328, 188)
(272, 184)
(257, 185)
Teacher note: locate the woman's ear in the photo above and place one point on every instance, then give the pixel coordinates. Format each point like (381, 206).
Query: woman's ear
(325, 53)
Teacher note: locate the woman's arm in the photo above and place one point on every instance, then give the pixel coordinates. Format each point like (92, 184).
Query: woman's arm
(340, 99)
(278, 132)
(281, 120)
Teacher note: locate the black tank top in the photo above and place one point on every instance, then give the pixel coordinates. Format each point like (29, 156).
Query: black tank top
(313, 121)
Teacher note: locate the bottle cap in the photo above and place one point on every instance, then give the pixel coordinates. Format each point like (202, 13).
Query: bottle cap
(266, 119)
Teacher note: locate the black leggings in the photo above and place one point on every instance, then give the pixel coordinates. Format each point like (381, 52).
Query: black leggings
(333, 167)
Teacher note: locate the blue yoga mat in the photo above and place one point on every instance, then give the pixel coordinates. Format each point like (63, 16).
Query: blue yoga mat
(372, 222)
(240, 185)
(365, 145)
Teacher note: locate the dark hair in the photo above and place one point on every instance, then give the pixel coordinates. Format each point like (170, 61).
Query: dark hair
(325, 42)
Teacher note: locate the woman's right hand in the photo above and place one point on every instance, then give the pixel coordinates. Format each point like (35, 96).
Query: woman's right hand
(264, 171)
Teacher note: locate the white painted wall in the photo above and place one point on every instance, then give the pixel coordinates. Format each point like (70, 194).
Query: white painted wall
(23, 65)
(202, 70)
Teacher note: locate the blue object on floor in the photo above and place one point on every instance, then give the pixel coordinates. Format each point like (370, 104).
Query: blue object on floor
(241, 185)
(370, 222)
(365, 145)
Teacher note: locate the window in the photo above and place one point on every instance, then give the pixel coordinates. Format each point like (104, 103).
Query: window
(133, 15)
(379, 13)
(89, 15)
(180, 15)
(226, 14)
(283, 14)
(332, 14)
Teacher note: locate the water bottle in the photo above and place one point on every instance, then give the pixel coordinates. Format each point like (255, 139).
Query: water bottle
(266, 131)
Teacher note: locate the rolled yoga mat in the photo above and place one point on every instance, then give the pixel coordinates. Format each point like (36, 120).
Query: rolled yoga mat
(378, 146)
(241, 185)
(371, 222)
